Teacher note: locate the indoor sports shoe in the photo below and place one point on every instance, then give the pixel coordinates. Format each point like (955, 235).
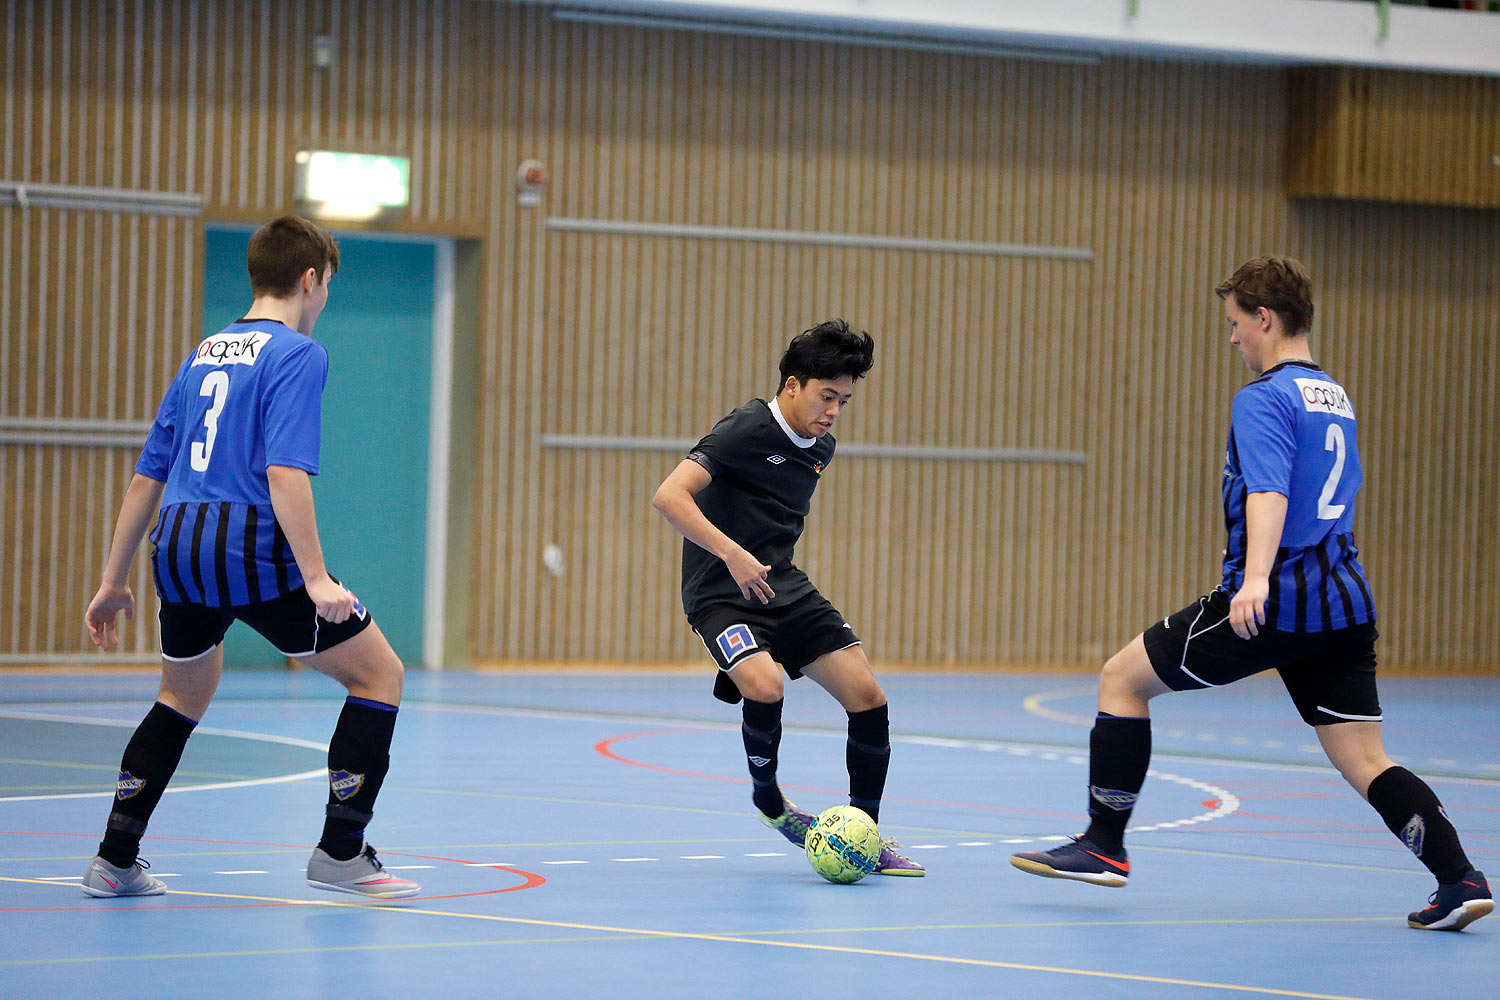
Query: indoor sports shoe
(792, 824)
(891, 863)
(103, 879)
(1454, 907)
(361, 875)
(1082, 860)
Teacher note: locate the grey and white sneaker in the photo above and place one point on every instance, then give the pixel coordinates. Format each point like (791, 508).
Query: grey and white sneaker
(103, 879)
(361, 875)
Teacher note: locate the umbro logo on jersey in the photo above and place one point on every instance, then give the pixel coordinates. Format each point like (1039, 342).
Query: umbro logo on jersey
(231, 348)
(776, 459)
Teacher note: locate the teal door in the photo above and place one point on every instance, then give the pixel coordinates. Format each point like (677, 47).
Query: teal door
(371, 493)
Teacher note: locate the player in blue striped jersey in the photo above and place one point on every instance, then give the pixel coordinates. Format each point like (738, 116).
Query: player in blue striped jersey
(1294, 598)
(225, 472)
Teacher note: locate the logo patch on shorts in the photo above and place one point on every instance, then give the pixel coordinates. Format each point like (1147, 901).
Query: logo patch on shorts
(128, 786)
(735, 640)
(1113, 798)
(343, 784)
(1414, 833)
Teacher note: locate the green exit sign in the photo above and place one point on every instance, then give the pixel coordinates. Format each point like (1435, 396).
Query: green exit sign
(352, 186)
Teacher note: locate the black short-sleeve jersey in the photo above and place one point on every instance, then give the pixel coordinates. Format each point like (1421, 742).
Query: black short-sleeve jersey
(763, 482)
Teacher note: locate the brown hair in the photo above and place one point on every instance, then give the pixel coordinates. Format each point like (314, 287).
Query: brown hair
(1280, 284)
(282, 250)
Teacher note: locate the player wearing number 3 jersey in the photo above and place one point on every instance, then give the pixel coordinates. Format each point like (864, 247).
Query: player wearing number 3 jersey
(1293, 598)
(225, 474)
(247, 398)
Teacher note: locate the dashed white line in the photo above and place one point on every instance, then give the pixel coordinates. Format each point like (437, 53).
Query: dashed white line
(636, 859)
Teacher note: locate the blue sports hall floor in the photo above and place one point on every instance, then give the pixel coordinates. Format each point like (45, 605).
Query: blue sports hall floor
(589, 834)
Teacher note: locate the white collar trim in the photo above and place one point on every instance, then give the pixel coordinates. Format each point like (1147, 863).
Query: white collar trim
(797, 439)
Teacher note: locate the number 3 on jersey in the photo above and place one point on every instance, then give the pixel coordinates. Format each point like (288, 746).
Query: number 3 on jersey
(216, 384)
(1334, 442)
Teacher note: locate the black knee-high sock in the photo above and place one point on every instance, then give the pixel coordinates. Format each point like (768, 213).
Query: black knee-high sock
(1119, 754)
(869, 757)
(358, 757)
(1413, 813)
(147, 765)
(761, 730)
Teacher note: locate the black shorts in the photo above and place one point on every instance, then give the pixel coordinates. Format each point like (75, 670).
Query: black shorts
(290, 623)
(794, 635)
(1330, 675)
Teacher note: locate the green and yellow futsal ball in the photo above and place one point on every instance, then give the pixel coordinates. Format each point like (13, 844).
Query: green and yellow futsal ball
(843, 845)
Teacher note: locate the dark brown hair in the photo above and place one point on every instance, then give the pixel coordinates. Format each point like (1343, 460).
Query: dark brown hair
(282, 250)
(1280, 284)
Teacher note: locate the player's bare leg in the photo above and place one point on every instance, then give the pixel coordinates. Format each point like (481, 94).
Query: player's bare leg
(146, 767)
(358, 758)
(1412, 812)
(1119, 755)
(846, 674)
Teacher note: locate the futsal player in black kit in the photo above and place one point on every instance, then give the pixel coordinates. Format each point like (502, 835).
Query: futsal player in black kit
(739, 500)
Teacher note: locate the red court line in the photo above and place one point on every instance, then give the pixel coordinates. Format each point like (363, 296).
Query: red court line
(603, 747)
(530, 880)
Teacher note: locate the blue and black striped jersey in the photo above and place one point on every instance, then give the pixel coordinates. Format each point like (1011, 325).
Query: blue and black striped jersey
(1293, 432)
(248, 397)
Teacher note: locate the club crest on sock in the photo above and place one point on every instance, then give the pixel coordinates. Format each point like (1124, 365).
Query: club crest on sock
(128, 785)
(344, 784)
(1414, 833)
(1113, 798)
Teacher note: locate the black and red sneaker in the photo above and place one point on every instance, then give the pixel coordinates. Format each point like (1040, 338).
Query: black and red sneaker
(1454, 907)
(1082, 861)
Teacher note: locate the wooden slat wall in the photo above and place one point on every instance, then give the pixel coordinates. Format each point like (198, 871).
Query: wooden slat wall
(1383, 135)
(1169, 173)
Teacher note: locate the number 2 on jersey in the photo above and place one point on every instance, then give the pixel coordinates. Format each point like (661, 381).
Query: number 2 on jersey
(1334, 442)
(216, 384)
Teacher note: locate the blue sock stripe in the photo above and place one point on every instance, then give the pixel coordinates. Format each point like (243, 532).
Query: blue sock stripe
(369, 703)
(169, 708)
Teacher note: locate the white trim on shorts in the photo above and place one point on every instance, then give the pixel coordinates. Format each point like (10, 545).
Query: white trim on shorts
(1351, 718)
(189, 659)
(1202, 605)
(310, 652)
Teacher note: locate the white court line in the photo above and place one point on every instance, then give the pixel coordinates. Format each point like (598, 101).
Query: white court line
(83, 720)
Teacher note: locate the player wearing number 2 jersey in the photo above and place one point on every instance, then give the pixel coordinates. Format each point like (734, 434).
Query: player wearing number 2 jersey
(225, 474)
(1293, 597)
